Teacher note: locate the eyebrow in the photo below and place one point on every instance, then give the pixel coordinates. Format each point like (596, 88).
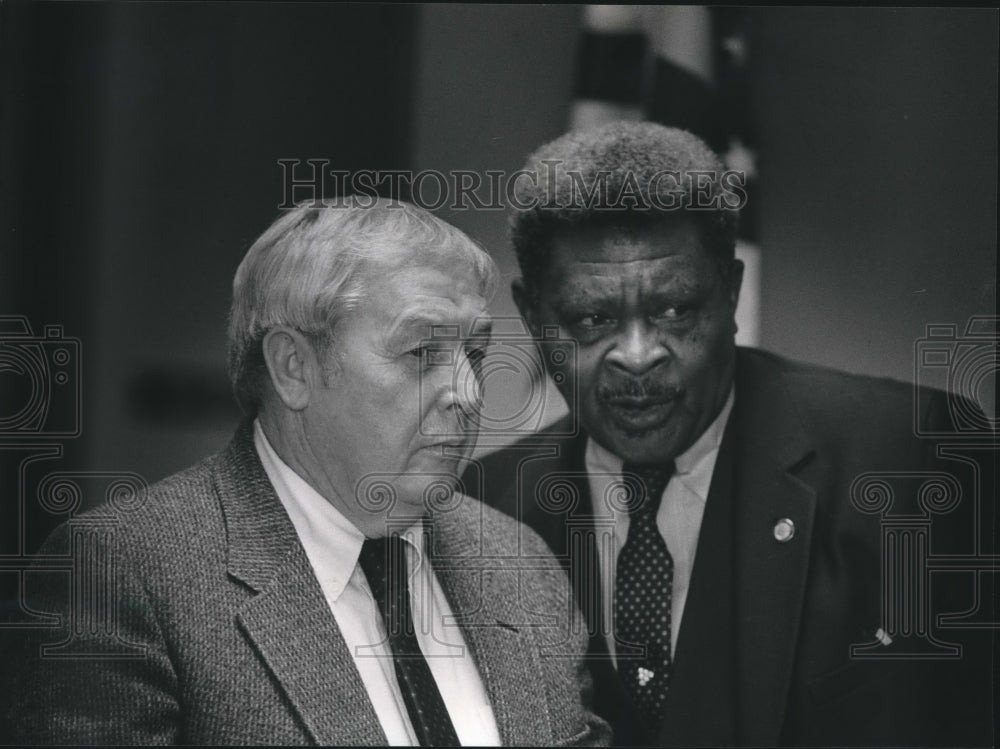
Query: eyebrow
(481, 327)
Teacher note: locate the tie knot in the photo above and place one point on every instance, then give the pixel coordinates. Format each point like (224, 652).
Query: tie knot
(649, 480)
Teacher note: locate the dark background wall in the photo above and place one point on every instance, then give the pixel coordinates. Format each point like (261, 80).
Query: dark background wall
(878, 179)
(140, 150)
(140, 160)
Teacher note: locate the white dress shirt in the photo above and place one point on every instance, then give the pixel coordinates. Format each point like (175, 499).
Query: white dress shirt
(678, 518)
(332, 544)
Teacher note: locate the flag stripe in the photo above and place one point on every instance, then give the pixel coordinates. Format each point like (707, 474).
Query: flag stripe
(609, 67)
(678, 98)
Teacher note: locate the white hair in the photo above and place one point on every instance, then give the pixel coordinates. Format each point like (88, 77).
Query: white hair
(306, 271)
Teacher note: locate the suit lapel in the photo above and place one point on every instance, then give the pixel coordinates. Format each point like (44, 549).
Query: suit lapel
(772, 486)
(292, 628)
(701, 708)
(482, 589)
(288, 620)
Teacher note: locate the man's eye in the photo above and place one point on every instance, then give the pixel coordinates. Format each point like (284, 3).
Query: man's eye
(596, 320)
(475, 355)
(430, 356)
(674, 312)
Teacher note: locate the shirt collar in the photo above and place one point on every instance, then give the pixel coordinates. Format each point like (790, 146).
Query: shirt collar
(694, 466)
(331, 541)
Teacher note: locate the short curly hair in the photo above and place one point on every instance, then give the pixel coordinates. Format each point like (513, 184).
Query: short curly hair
(630, 174)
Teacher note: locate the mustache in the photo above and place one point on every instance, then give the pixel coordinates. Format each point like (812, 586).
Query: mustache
(645, 388)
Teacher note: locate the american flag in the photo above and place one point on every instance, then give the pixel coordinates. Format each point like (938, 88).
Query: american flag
(686, 66)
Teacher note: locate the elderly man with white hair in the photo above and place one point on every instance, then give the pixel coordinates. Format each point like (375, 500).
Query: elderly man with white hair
(321, 580)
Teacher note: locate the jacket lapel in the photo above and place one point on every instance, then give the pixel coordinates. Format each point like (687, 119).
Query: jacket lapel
(482, 589)
(701, 707)
(772, 486)
(288, 620)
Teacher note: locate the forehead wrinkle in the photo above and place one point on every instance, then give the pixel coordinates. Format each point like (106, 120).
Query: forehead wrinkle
(421, 316)
(624, 244)
(659, 260)
(645, 277)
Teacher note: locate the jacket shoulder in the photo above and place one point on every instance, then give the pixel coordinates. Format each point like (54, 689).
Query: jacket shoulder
(477, 528)
(492, 475)
(154, 526)
(826, 397)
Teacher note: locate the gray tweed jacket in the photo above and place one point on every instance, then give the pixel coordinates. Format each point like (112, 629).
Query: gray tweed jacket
(218, 632)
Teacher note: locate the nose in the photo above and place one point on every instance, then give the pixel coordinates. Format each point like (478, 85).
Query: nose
(638, 348)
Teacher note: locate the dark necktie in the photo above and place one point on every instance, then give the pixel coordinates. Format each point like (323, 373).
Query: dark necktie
(383, 561)
(643, 587)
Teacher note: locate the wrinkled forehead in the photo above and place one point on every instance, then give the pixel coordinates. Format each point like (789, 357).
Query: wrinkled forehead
(617, 262)
(617, 243)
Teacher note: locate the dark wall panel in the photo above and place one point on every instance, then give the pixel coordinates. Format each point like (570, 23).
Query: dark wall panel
(878, 166)
(140, 159)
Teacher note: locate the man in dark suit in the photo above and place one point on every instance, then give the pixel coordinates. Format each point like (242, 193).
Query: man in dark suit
(320, 580)
(725, 513)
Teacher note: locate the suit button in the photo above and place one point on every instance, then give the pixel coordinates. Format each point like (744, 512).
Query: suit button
(784, 529)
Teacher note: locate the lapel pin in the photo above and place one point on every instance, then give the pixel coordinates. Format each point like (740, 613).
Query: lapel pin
(644, 676)
(784, 529)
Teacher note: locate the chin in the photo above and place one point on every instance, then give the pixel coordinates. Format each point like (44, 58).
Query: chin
(648, 454)
(429, 480)
(651, 446)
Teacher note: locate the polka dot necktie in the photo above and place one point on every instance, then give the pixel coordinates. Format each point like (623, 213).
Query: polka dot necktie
(643, 587)
(383, 561)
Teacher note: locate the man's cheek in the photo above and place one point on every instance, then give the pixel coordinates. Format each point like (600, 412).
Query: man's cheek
(580, 384)
(568, 388)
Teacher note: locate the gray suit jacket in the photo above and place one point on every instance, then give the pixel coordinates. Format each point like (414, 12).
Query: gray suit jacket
(212, 627)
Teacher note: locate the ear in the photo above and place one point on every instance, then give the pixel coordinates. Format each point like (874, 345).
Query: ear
(292, 365)
(526, 305)
(735, 281)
